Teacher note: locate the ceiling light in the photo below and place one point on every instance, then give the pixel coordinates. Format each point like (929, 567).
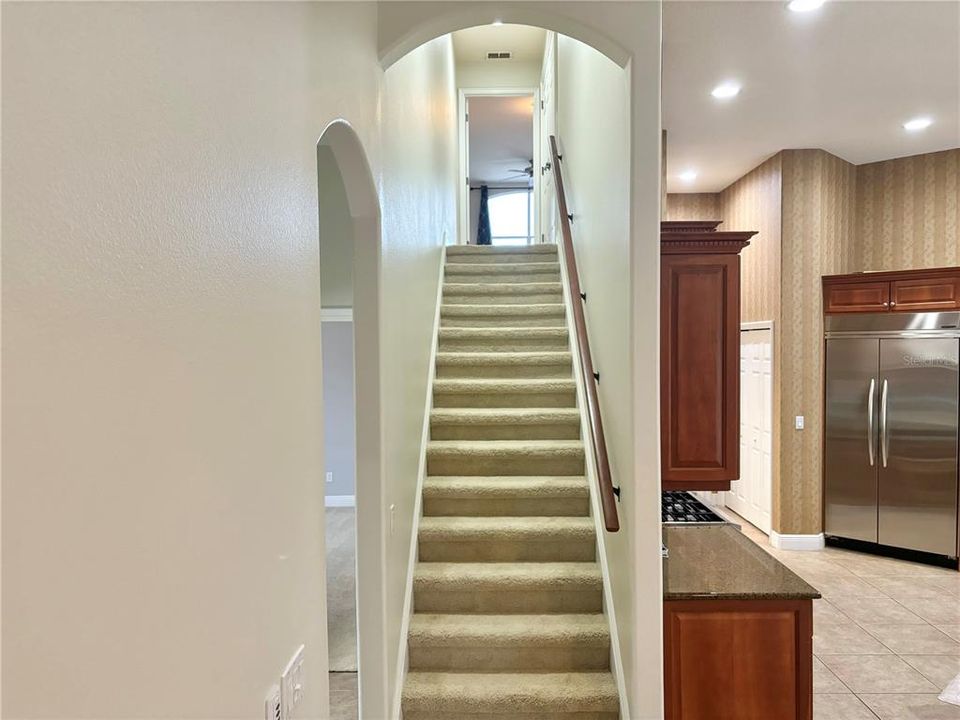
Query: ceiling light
(917, 124)
(498, 21)
(726, 91)
(688, 176)
(805, 5)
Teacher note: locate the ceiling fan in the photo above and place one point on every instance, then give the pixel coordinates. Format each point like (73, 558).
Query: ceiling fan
(527, 171)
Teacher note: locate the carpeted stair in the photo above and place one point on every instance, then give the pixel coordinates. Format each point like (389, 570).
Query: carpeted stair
(508, 612)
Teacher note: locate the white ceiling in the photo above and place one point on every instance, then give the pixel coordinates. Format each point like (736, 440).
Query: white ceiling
(843, 78)
(501, 138)
(525, 42)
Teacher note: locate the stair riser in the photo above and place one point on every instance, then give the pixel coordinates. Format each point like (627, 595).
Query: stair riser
(507, 259)
(512, 550)
(505, 400)
(509, 344)
(504, 371)
(456, 298)
(493, 714)
(566, 657)
(516, 599)
(540, 276)
(491, 321)
(505, 431)
(502, 464)
(453, 267)
(505, 507)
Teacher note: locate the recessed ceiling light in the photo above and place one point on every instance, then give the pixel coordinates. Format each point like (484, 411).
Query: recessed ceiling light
(688, 175)
(726, 91)
(917, 124)
(498, 21)
(805, 5)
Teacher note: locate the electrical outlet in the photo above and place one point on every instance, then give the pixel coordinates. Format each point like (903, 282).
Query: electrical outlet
(291, 685)
(799, 422)
(329, 477)
(271, 706)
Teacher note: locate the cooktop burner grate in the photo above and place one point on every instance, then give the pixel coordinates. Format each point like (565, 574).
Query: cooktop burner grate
(682, 507)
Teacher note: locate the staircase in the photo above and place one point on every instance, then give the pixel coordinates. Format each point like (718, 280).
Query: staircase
(508, 618)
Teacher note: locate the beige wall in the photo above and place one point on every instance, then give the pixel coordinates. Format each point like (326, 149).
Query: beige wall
(162, 513)
(419, 204)
(693, 206)
(908, 212)
(817, 232)
(593, 131)
(508, 74)
(336, 234)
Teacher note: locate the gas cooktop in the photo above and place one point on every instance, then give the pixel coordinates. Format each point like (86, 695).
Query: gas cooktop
(682, 507)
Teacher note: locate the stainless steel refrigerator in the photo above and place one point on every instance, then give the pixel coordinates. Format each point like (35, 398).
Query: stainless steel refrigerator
(890, 430)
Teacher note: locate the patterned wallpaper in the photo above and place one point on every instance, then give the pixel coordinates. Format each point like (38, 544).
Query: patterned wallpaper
(908, 212)
(693, 206)
(817, 231)
(818, 215)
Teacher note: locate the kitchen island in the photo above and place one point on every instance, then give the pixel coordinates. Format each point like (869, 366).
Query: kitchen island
(737, 629)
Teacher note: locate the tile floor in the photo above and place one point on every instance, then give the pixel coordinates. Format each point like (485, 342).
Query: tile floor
(886, 635)
(343, 696)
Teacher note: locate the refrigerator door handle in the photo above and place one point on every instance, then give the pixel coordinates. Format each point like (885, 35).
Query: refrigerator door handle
(884, 436)
(871, 435)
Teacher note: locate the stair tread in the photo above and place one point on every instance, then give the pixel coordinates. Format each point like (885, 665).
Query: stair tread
(511, 693)
(545, 248)
(505, 310)
(475, 486)
(494, 575)
(528, 529)
(498, 630)
(504, 384)
(505, 446)
(505, 331)
(520, 416)
(476, 268)
(501, 288)
(498, 357)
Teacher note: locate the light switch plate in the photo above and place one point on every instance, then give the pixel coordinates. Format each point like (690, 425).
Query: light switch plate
(291, 685)
(799, 422)
(329, 477)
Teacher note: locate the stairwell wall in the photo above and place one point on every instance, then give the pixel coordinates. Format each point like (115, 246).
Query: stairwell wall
(419, 215)
(594, 129)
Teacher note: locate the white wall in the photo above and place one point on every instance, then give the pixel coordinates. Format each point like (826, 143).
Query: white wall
(163, 469)
(498, 74)
(419, 204)
(336, 234)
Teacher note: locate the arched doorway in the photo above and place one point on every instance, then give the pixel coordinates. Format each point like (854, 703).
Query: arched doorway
(350, 245)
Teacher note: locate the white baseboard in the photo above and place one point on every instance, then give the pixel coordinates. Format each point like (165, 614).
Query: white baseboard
(340, 501)
(796, 542)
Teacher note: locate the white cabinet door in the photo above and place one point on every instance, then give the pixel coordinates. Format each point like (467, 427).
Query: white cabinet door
(751, 496)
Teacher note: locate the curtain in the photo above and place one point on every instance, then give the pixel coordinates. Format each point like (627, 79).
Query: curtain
(483, 223)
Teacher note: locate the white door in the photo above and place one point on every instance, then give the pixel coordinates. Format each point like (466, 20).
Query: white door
(751, 496)
(548, 127)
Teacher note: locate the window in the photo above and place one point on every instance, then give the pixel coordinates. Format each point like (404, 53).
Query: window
(511, 217)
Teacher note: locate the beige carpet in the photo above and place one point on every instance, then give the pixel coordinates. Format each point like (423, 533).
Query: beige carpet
(341, 589)
(508, 613)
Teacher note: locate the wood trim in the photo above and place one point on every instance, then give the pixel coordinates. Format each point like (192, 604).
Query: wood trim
(604, 476)
(892, 275)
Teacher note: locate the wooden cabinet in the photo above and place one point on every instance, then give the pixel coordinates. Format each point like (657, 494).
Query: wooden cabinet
(738, 659)
(846, 297)
(700, 355)
(896, 291)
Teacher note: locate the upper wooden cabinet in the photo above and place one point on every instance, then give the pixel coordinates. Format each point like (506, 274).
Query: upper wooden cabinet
(700, 355)
(899, 291)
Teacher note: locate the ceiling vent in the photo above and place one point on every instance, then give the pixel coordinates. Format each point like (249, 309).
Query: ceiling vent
(501, 55)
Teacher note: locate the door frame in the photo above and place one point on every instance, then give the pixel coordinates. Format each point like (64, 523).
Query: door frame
(763, 325)
(463, 152)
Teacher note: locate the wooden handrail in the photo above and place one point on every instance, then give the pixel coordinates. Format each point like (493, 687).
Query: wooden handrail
(604, 479)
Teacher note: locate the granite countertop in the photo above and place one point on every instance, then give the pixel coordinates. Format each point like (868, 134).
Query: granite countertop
(718, 562)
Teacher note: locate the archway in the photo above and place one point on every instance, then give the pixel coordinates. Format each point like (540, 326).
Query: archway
(341, 162)
(410, 25)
